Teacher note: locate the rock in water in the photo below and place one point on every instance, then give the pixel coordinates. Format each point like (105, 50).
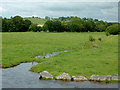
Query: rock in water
(100, 77)
(116, 78)
(94, 77)
(63, 76)
(109, 77)
(79, 78)
(45, 75)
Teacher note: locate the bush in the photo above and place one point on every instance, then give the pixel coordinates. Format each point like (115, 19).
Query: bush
(91, 38)
(107, 33)
(113, 29)
(100, 39)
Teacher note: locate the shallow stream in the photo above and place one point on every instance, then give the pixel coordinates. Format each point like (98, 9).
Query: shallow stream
(21, 77)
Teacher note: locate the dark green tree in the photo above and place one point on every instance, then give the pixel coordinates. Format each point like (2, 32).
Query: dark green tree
(8, 25)
(91, 25)
(19, 23)
(26, 25)
(101, 26)
(53, 26)
(34, 28)
(75, 25)
(48, 26)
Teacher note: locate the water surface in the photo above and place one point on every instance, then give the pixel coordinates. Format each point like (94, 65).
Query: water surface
(50, 54)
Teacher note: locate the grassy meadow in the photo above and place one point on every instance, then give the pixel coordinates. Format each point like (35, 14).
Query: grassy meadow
(36, 20)
(84, 57)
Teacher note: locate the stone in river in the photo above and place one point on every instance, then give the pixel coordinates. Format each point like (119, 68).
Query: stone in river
(79, 78)
(45, 75)
(63, 76)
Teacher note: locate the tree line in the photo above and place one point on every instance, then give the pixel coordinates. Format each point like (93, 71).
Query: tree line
(61, 24)
(18, 24)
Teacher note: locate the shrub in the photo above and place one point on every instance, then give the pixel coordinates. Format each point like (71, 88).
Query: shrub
(100, 39)
(107, 33)
(113, 29)
(91, 38)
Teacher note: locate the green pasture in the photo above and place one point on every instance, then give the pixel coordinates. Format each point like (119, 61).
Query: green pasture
(36, 20)
(84, 57)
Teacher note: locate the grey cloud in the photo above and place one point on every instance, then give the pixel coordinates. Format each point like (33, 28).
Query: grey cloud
(101, 10)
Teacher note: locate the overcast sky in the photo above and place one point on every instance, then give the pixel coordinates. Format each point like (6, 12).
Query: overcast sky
(107, 11)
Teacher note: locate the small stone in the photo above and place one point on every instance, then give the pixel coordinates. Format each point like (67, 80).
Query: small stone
(63, 76)
(45, 75)
(79, 78)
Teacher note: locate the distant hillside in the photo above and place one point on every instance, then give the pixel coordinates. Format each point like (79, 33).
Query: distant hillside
(36, 20)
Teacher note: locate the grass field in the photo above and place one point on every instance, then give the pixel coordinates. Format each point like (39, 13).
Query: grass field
(81, 59)
(37, 20)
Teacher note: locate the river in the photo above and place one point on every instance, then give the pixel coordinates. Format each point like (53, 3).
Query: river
(20, 77)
